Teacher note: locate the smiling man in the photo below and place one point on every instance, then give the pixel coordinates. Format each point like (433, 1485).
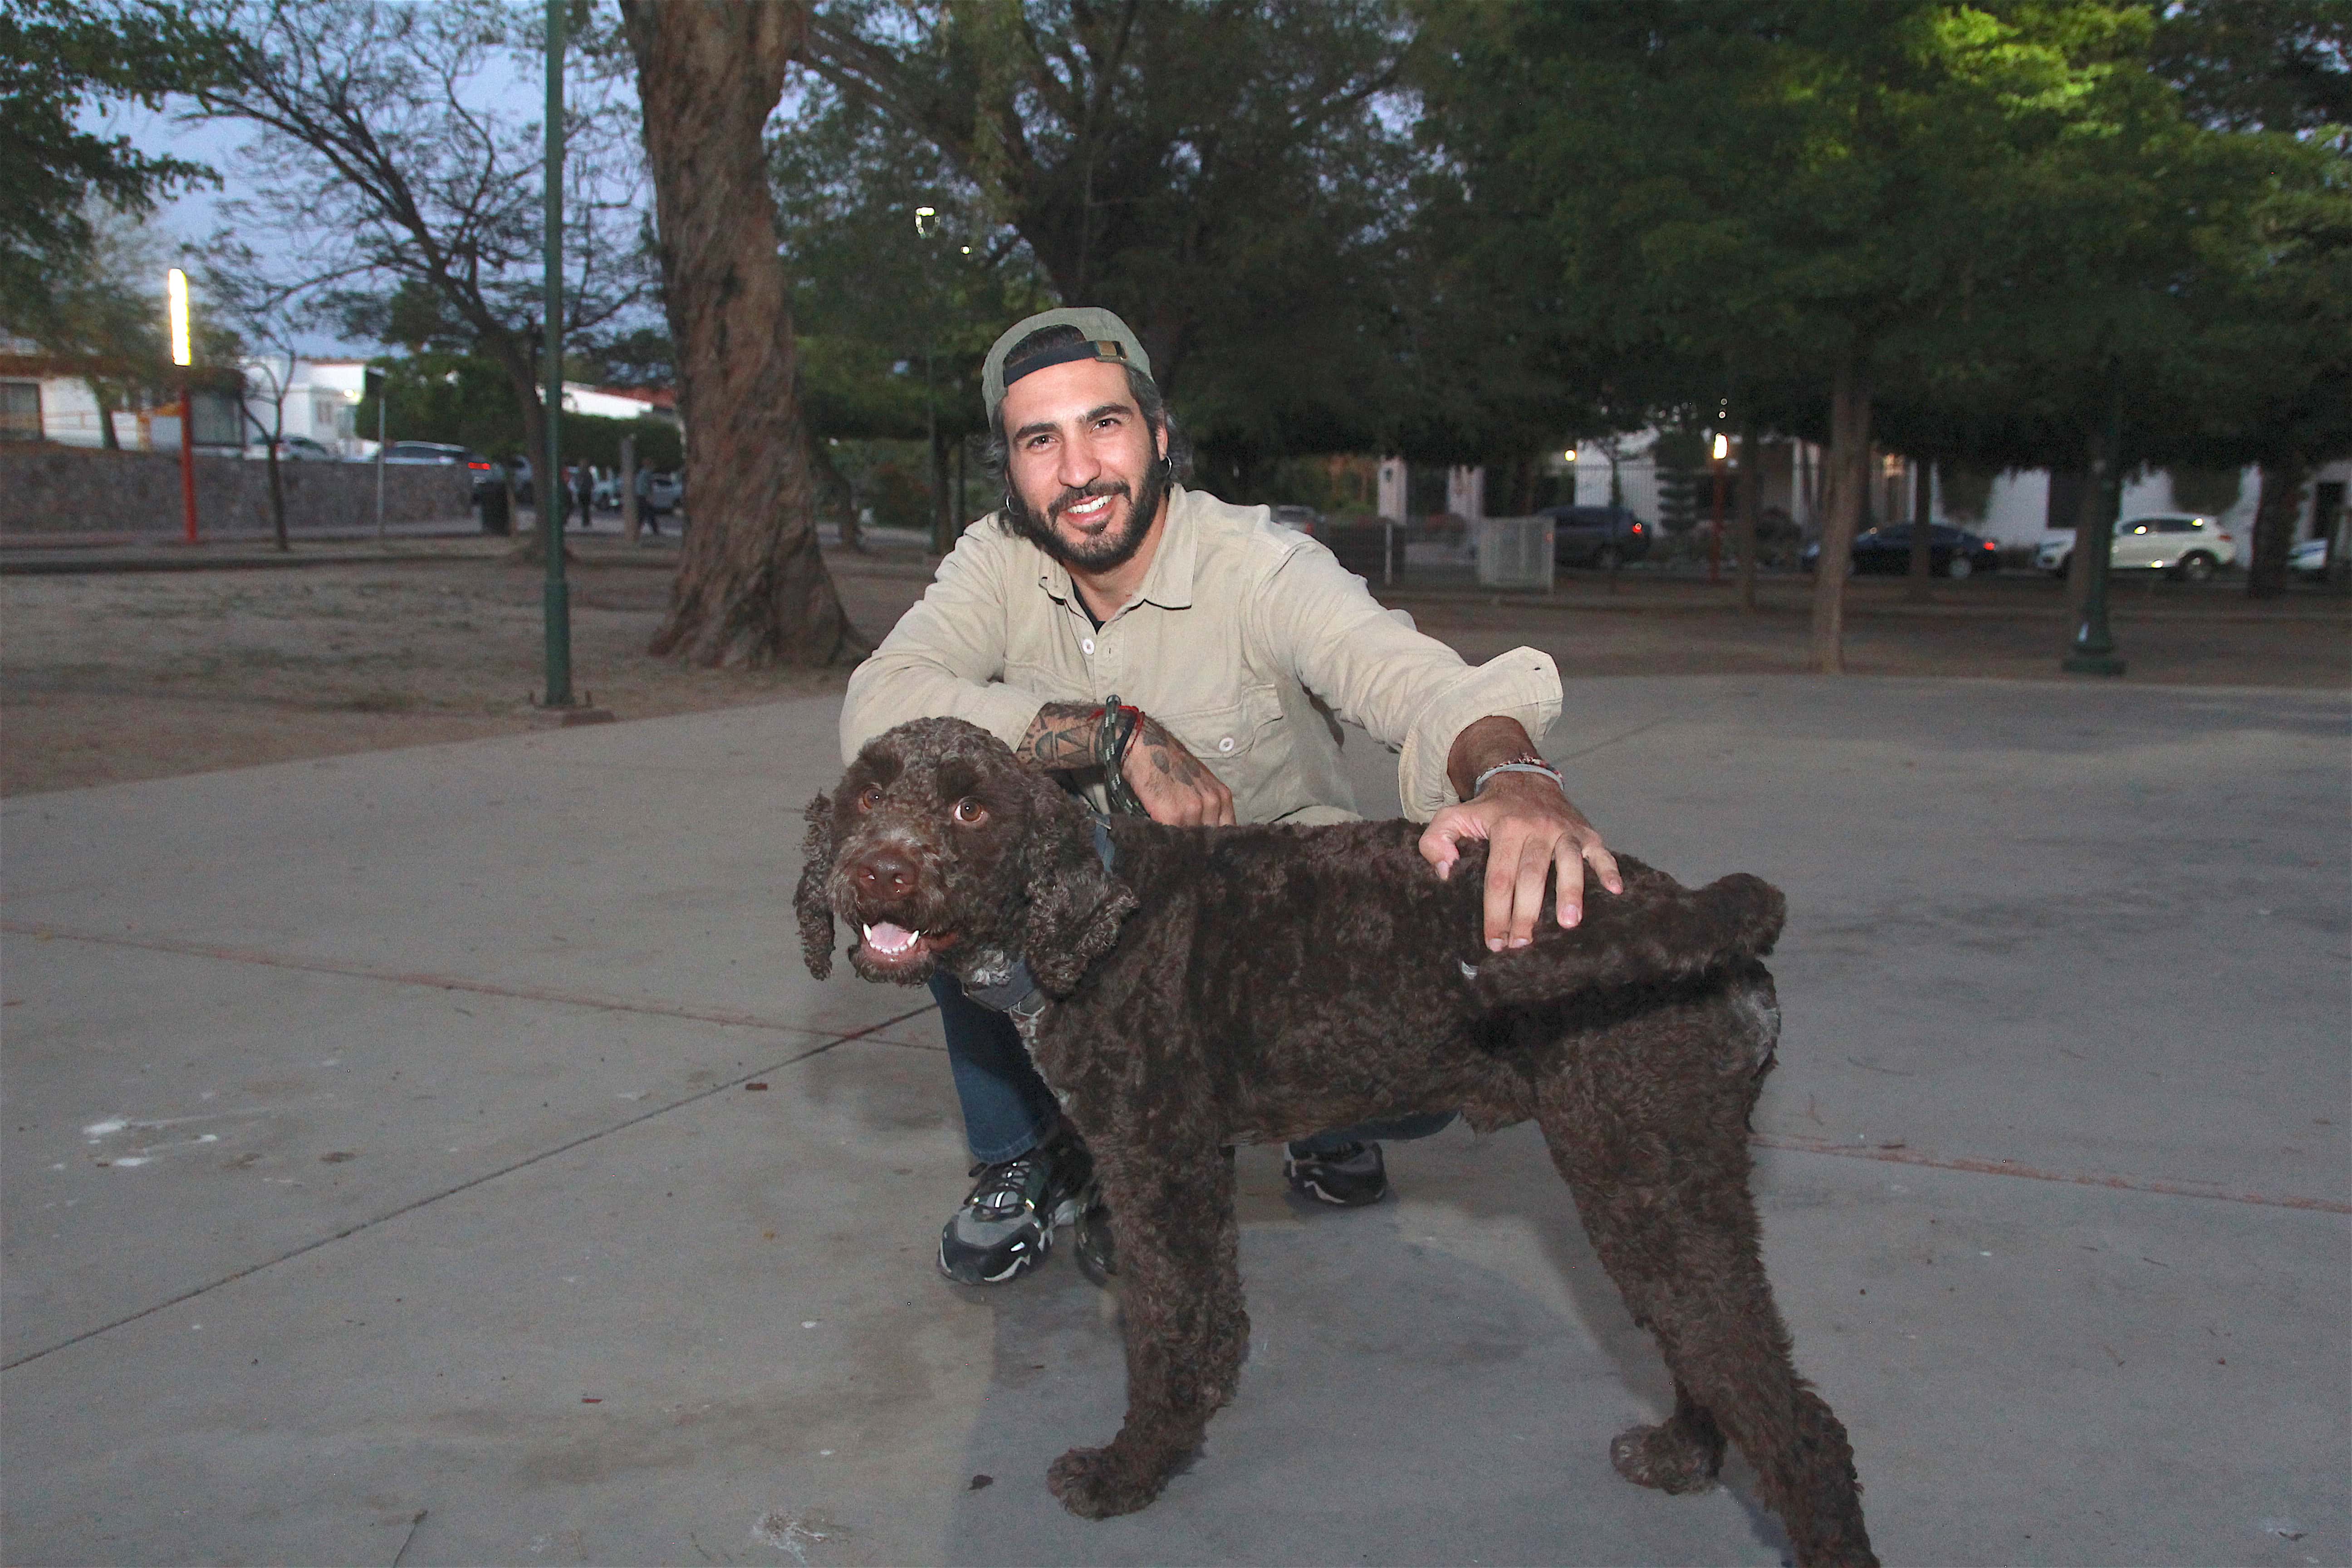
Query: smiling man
(1226, 644)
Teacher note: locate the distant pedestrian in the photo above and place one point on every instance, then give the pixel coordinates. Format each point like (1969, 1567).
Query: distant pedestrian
(647, 511)
(583, 491)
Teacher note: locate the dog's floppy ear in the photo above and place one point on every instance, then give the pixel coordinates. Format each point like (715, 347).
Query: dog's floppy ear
(810, 901)
(1075, 903)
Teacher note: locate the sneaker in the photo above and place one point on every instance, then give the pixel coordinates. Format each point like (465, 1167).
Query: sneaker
(1351, 1177)
(1006, 1226)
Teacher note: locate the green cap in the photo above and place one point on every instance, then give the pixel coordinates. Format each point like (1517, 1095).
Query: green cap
(1106, 338)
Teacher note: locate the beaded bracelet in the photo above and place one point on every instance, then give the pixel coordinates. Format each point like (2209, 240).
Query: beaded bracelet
(1524, 764)
(1115, 730)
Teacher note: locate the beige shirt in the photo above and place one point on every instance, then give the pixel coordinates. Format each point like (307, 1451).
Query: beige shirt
(1240, 628)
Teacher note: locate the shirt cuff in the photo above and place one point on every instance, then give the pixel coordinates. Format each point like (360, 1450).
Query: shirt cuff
(1523, 684)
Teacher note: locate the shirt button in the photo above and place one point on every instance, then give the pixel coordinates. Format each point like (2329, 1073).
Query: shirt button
(1226, 744)
(1086, 644)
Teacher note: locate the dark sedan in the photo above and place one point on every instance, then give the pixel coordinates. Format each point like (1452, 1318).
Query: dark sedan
(1602, 536)
(1951, 551)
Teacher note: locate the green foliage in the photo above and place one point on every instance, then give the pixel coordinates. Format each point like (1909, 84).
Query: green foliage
(2206, 490)
(1967, 491)
(1226, 177)
(58, 59)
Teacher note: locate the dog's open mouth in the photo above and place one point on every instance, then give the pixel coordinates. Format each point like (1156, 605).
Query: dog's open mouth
(888, 945)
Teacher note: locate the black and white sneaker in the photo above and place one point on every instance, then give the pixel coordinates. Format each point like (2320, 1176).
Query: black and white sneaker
(1006, 1226)
(1350, 1176)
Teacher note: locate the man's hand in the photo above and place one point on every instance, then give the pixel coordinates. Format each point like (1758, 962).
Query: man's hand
(1531, 830)
(1175, 786)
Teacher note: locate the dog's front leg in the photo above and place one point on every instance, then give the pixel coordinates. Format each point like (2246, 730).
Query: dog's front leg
(1181, 1299)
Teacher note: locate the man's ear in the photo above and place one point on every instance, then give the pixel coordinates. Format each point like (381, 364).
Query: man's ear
(810, 901)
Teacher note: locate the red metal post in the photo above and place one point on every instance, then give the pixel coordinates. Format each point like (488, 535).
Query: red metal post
(187, 463)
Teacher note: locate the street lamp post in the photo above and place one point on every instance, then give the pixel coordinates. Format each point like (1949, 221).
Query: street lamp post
(175, 294)
(2093, 652)
(556, 599)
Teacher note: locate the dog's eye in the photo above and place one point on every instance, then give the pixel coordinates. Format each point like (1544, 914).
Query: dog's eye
(871, 798)
(969, 810)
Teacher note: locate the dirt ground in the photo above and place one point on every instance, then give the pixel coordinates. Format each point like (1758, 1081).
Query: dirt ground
(106, 677)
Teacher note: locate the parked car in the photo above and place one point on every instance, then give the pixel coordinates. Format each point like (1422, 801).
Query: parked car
(2308, 559)
(292, 449)
(607, 493)
(1951, 551)
(2183, 544)
(486, 475)
(1303, 519)
(1602, 536)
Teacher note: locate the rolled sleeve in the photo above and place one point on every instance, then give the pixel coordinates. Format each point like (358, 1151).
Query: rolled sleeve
(945, 658)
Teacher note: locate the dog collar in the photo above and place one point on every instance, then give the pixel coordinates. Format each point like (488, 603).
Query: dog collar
(1018, 994)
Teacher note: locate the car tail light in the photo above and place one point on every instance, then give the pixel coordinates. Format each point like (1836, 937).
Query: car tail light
(1637, 527)
(479, 468)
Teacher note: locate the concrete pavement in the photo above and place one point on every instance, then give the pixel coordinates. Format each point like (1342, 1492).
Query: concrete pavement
(384, 1178)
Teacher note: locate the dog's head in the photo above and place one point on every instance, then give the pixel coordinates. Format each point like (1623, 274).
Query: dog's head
(938, 846)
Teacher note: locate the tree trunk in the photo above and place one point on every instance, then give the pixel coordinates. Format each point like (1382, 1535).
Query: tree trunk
(2083, 489)
(2274, 515)
(1743, 525)
(106, 435)
(515, 357)
(277, 494)
(1923, 560)
(1849, 466)
(751, 588)
(630, 521)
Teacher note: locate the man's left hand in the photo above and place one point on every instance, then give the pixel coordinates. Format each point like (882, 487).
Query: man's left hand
(1532, 831)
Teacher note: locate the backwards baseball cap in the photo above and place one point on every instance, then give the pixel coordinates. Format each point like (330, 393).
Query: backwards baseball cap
(1102, 336)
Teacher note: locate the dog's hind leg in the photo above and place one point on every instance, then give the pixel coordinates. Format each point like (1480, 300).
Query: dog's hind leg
(1662, 1183)
(1171, 1216)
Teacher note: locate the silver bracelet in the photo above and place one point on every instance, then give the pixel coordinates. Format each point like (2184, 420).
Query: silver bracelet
(1478, 785)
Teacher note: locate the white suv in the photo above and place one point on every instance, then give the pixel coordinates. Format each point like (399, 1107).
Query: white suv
(2187, 545)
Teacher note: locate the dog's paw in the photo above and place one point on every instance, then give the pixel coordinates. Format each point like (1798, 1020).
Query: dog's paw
(1093, 1484)
(1666, 1456)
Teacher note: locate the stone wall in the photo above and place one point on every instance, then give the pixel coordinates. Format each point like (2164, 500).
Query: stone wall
(50, 488)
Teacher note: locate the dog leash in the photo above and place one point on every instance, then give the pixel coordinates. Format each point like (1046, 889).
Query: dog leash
(1018, 994)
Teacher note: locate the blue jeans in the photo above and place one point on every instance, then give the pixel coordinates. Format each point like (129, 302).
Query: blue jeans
(1008, 1111)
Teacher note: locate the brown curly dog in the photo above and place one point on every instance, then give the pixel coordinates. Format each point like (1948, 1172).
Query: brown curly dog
(1210, 986)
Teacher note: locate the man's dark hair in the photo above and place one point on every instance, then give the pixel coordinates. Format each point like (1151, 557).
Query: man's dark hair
(1139, 386)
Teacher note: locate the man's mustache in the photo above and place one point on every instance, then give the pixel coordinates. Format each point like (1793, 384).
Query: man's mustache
(1071, 498)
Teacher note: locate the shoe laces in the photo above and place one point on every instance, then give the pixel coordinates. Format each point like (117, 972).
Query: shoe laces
(1006, 1188)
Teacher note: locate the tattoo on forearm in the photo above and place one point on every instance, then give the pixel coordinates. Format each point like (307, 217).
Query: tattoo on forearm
(1061, 736)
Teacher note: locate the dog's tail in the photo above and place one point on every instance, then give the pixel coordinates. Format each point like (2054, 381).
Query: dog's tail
(1655, 933)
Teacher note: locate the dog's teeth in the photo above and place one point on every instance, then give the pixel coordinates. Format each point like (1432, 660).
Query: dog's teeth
(891, 939)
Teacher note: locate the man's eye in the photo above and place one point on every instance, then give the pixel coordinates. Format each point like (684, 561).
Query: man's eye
(969, 810)
(870, 799)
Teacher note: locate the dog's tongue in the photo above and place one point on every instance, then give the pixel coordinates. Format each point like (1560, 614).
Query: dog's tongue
(889, 938)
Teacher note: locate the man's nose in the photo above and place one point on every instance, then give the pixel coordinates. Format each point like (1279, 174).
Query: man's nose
(1079, 466)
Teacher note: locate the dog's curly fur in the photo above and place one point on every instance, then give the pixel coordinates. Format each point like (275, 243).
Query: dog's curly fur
(1224, 985)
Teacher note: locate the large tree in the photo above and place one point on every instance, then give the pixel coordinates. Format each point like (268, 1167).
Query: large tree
(1227, 174)
(751, 588)
(1841, 190)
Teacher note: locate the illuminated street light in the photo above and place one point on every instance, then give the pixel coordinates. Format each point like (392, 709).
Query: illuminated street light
(175, 294)
(1722, 446)
(175, 305)
(922, 217)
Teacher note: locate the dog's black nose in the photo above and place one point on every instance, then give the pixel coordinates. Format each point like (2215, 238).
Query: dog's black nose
(885, 873)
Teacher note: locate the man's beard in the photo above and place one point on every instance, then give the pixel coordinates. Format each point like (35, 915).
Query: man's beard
(1112, 550)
